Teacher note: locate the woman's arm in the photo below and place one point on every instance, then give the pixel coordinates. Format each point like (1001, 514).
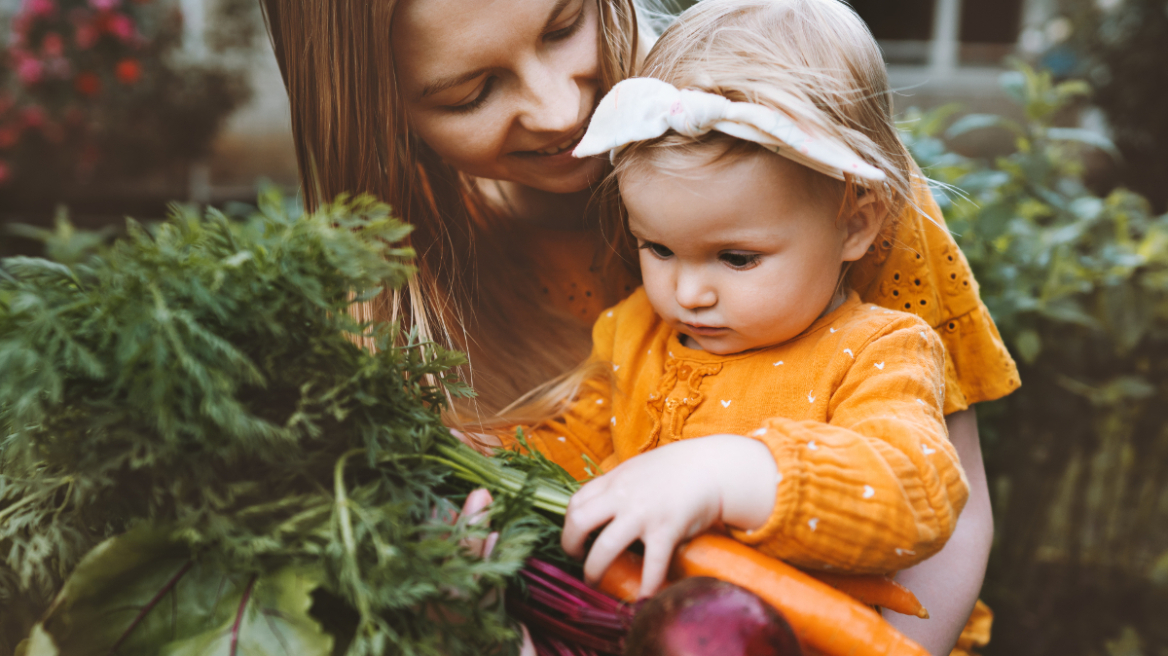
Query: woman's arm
(948, 583)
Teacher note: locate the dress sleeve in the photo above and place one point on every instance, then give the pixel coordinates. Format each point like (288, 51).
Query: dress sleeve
(583, 433)
(915, 266)
(879, 487)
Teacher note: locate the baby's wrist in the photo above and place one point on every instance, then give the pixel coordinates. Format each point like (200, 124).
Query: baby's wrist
(748, 476)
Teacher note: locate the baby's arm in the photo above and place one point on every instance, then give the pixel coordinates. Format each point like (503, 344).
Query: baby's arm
(879, 488)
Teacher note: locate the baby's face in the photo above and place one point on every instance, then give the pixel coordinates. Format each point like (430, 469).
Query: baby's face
(737, 255)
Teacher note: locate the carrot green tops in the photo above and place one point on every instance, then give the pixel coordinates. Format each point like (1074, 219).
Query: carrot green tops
(851, 410)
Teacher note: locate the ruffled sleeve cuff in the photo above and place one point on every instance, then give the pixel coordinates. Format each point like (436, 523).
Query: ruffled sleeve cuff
(978, 367)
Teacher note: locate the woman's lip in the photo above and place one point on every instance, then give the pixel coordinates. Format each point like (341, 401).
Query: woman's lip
(563, 155)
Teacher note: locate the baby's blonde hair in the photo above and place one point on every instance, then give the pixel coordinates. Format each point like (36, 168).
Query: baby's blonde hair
(814, 60)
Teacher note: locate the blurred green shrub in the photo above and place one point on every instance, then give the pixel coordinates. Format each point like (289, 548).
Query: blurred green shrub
(1121, 47)
(1078, 457)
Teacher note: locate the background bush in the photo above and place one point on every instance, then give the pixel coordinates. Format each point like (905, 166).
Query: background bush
(1078, 457)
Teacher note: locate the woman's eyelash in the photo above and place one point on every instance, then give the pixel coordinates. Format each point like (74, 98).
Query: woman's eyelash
(567, 32)
(478, 100)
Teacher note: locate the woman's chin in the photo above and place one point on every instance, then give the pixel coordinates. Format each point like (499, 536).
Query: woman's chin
(563, 177)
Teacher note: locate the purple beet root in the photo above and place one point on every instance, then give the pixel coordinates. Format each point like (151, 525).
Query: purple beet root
(703, 616)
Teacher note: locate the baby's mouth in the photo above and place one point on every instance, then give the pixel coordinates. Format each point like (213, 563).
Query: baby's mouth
(700, 329)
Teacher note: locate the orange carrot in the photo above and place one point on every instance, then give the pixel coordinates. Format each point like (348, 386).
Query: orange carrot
(824, 618)
(623, 578)
(876, 590)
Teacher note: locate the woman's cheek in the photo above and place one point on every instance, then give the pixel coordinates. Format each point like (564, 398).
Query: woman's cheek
(471, 144)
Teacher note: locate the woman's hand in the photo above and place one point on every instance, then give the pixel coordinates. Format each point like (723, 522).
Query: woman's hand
(475, 510)
(668, 495)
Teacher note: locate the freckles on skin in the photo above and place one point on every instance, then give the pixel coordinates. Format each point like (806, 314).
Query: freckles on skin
(757, 205)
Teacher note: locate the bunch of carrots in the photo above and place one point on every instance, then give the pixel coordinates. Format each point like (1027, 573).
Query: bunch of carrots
(831, 614)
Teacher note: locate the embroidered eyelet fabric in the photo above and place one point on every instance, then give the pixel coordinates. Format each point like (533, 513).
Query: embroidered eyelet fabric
(851, 410)
(915, 266)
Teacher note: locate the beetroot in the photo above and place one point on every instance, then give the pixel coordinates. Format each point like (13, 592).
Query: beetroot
(703, 616)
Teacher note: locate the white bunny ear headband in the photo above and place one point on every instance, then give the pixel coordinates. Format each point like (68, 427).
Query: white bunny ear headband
(643, 108)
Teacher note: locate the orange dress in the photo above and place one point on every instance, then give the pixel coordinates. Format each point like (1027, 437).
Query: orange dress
(851, 410)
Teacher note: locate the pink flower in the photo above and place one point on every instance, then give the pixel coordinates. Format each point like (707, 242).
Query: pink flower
(34, 116)
(121, 26)
(39, 7)
(52, 45)
(29, 70)
(85, 36)
(104, 5)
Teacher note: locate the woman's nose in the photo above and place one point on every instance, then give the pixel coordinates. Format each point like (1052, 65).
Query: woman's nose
(694, 291)
(553, 99)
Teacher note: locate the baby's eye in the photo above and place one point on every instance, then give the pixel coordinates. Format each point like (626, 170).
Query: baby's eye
(739, 260)
(657, 249)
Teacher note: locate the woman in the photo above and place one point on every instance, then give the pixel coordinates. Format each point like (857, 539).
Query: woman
(462, 115)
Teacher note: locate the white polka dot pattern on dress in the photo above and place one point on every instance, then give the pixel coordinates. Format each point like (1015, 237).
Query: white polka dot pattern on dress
(832, 330)
(778, 363)
(726, 404)
(901, 552)
(813, 523)
(849, 352)
(811, 396)
(760, 432)
(562, 439)
(812, 445)
(616, 367)
(869, 491)
(926, 450)
(880, 366)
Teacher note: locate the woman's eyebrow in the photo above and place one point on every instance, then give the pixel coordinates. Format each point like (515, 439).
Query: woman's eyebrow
(450, 81)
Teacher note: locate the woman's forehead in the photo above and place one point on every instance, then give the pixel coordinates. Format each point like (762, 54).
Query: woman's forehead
(436, 42)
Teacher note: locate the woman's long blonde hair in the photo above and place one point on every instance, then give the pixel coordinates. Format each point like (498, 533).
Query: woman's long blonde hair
(474, 290)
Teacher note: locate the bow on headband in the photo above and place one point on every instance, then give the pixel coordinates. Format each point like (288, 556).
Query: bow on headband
(643, 108)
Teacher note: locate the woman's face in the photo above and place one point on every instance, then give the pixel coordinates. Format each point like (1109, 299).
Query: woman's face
(502, 89)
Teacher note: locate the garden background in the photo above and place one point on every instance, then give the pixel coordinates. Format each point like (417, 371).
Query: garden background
(1042, 122)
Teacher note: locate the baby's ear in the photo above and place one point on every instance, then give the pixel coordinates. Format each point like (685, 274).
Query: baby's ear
(862, 224)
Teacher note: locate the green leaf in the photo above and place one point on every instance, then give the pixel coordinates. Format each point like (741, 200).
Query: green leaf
(971, 122)
(139, 593)
(1086, 137)
(1029, 345)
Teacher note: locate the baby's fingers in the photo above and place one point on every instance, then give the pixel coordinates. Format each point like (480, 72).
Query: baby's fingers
(658, 554)
(612, 541)
(580, 521)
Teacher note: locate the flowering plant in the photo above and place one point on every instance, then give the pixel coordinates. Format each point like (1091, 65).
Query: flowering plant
(94, 89)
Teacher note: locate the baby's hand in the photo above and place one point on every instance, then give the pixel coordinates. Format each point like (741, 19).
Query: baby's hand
(668, 495)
